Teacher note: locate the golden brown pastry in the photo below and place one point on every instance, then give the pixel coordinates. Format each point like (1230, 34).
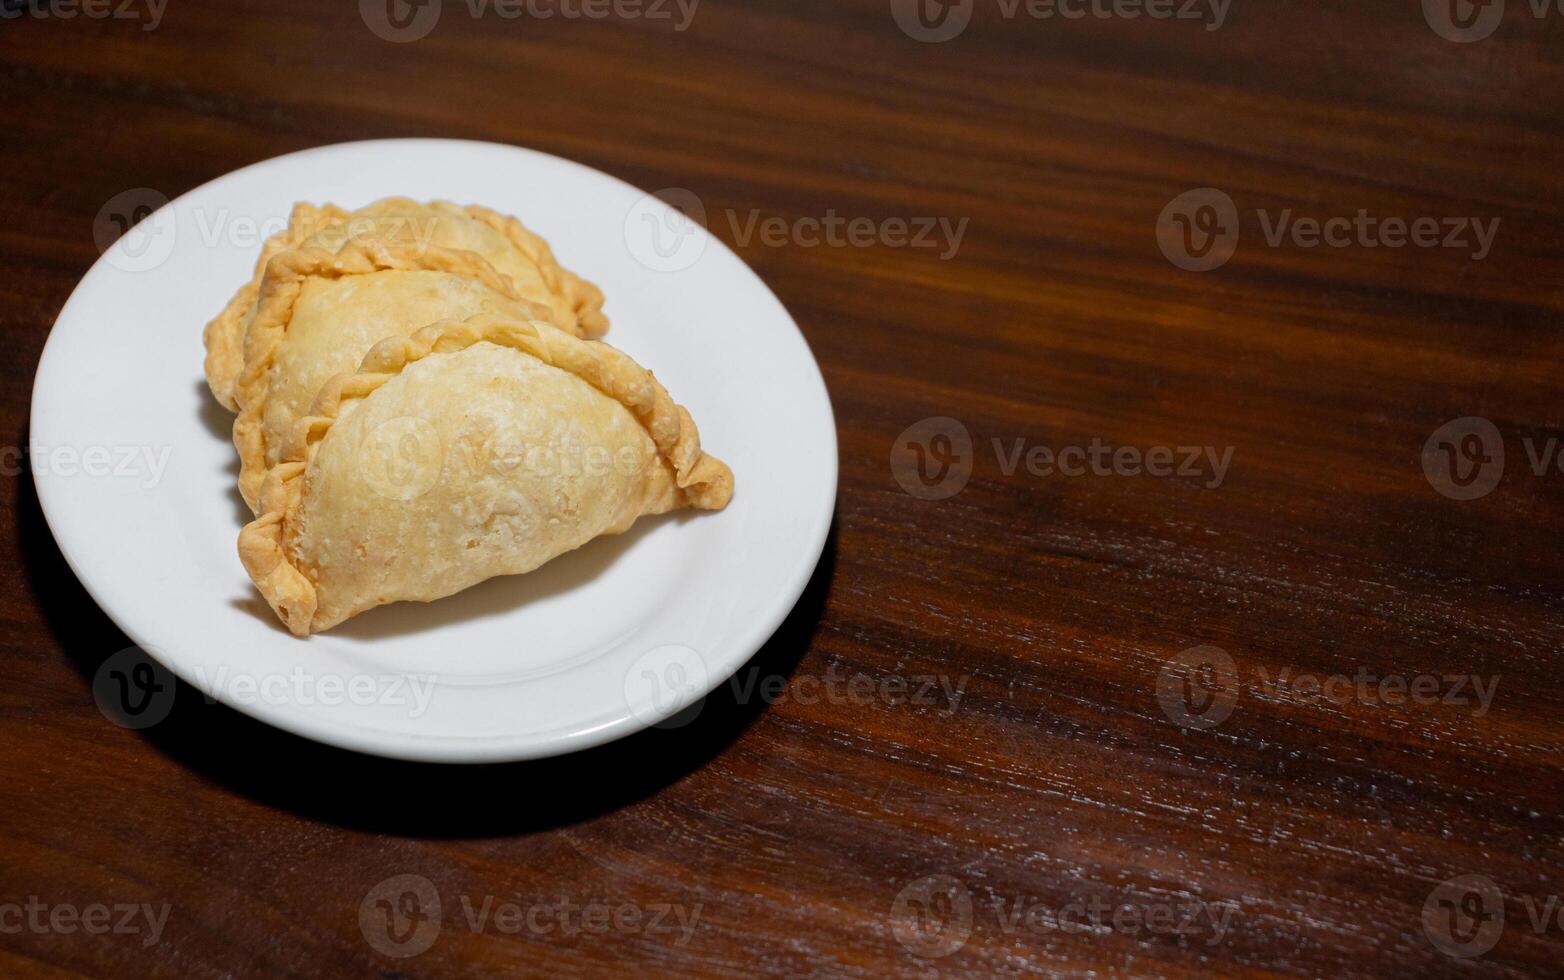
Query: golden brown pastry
(467, 450)
(319, 312)
(518, 255)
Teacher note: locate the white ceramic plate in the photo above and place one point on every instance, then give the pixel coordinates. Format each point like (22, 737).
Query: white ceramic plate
(621, 634)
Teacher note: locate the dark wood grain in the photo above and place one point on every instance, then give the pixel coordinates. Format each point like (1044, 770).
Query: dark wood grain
(1321, 823)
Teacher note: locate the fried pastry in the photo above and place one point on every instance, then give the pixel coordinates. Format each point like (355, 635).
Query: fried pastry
(467, 450)
(521, 257)
(319, 312)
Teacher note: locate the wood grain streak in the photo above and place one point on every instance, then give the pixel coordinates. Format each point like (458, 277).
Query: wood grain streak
(960, 727)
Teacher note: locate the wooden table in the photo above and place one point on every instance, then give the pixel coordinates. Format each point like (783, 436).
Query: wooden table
(1263, 713)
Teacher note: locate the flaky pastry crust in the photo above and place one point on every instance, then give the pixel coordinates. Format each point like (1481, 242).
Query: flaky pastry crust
(285, 277)
(574, 303)
(685, 476)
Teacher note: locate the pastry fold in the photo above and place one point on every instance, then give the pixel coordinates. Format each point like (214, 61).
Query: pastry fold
(318, 312)
(516, 254)
(468, 449)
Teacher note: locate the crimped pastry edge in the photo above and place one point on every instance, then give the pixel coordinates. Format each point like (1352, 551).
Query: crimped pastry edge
(279, 290)
(704, 481)
(223, 336)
